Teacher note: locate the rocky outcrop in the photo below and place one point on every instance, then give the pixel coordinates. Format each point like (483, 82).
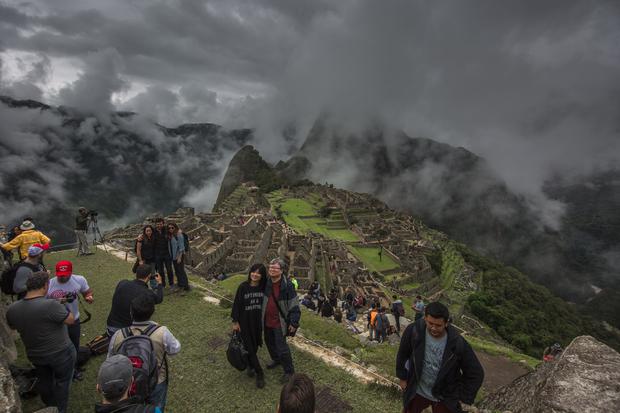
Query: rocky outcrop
(9, 399)
(585, 378)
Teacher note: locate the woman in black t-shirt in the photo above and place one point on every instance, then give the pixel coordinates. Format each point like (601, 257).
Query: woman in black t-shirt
(246, 316)
(145, 247)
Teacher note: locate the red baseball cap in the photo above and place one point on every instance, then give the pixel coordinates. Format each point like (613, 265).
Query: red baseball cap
(64, 268)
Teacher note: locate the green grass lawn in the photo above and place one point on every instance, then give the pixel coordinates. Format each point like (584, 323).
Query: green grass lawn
(370, 257)
(201, 379)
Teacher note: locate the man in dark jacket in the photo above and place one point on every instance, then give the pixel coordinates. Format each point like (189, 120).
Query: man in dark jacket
(281, 315)
(163, 260)
(436, 366)
(126, 291)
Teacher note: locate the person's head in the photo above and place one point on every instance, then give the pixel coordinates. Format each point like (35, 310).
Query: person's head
(297, 396)
(26, 225)
(143, 272)
(277, 267)
(142, 307)
(16, 230)
(35, 252)
(257, 274)
(147, 231)
(418, 297)
(394, 297)
(82, 211)
(115, 378)
(64, 269)
(372, 306)
(172, 228)
(38, 281)
(159, 224)
(437, 317)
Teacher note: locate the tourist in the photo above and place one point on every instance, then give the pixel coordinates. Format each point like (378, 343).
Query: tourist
(315, 289)
(66, 288)
(319, 303)
(294, 282)
(176, 247)
(397, 310)
(164, 343)
(418, 307)
(281, 315)
(371, 319)
(145, 247)
(327, 310)
(24, 269)
(297, 395)
(308, 302)
(435, 349)
(25, 239)
(163, 261)
(81, 226)
(338, 315)
(41, 324)
(551, 352)
(113, 383)
(127, 290)
(351, 314)
(246, 317)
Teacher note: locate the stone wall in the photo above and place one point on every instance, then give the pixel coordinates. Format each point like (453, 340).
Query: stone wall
(9, 398)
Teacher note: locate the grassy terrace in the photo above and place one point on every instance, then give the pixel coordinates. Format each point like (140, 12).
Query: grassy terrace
(201, 379)
(370, 257)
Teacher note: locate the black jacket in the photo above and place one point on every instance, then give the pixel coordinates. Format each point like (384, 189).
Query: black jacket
(160, 240)
(127, 290)
(460, 376)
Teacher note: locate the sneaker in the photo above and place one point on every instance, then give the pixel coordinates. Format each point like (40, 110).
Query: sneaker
(286, 377)
(273, 365)
(250, 372)
(260, 380)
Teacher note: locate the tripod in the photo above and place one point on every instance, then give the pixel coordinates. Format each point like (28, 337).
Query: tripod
(94, 227)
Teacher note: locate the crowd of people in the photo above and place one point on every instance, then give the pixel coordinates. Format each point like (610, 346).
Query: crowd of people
(435, 365)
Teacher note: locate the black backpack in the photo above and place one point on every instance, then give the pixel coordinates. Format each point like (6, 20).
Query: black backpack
(8, 277)
(139, 350)
(186, 242)
(236, 353)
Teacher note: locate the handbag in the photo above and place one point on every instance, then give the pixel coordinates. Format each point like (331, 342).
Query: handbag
(236, 353)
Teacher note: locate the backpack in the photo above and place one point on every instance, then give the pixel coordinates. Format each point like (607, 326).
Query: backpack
(398, 309)
(6, 282)
(8, 277)
(99, 345)
(139, 349)
(236, 353)
(186, 242)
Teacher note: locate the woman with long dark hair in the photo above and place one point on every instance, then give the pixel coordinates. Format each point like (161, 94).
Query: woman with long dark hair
(176, 247)
(145, 247)
(246, 316)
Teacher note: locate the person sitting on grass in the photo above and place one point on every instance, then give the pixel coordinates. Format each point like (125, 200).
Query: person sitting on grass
(246, 317)
(164, 343)
(297, 396)
(113, 383)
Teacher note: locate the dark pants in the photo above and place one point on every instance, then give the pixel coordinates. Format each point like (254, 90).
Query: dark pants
(397, 318)
(179, 270)
(419, 403)
(253, 361)
(278, 349)
(74, 331)
(54, 375)
(162, 263)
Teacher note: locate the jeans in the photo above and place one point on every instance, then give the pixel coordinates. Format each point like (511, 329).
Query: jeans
(397, 318)
(161, 264)
(74, 331)
(54, 375)
(278, 349)
(159, 394)
(179, 270)
(419, 403)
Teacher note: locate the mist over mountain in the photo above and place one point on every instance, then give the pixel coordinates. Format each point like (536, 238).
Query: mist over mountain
(53, 160)
(456, 191)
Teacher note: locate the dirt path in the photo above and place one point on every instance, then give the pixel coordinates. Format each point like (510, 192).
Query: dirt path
(499, 370)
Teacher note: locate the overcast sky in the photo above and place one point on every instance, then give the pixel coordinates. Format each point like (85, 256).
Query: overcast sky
(533, 86)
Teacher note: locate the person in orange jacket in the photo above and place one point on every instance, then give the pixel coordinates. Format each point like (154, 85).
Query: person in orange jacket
(23, 241)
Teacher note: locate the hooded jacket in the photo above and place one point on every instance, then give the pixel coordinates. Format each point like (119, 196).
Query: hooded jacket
(459, 377)
(287, 302)
(126, 406)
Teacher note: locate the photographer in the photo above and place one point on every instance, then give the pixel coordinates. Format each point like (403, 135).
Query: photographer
(127, 290)
(65, 288)
(81, 227)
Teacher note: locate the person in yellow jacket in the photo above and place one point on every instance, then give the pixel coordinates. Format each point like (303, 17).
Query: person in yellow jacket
(24, 240)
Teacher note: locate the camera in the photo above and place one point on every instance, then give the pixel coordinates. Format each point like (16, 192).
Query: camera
(69, 297)
(93, 213)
